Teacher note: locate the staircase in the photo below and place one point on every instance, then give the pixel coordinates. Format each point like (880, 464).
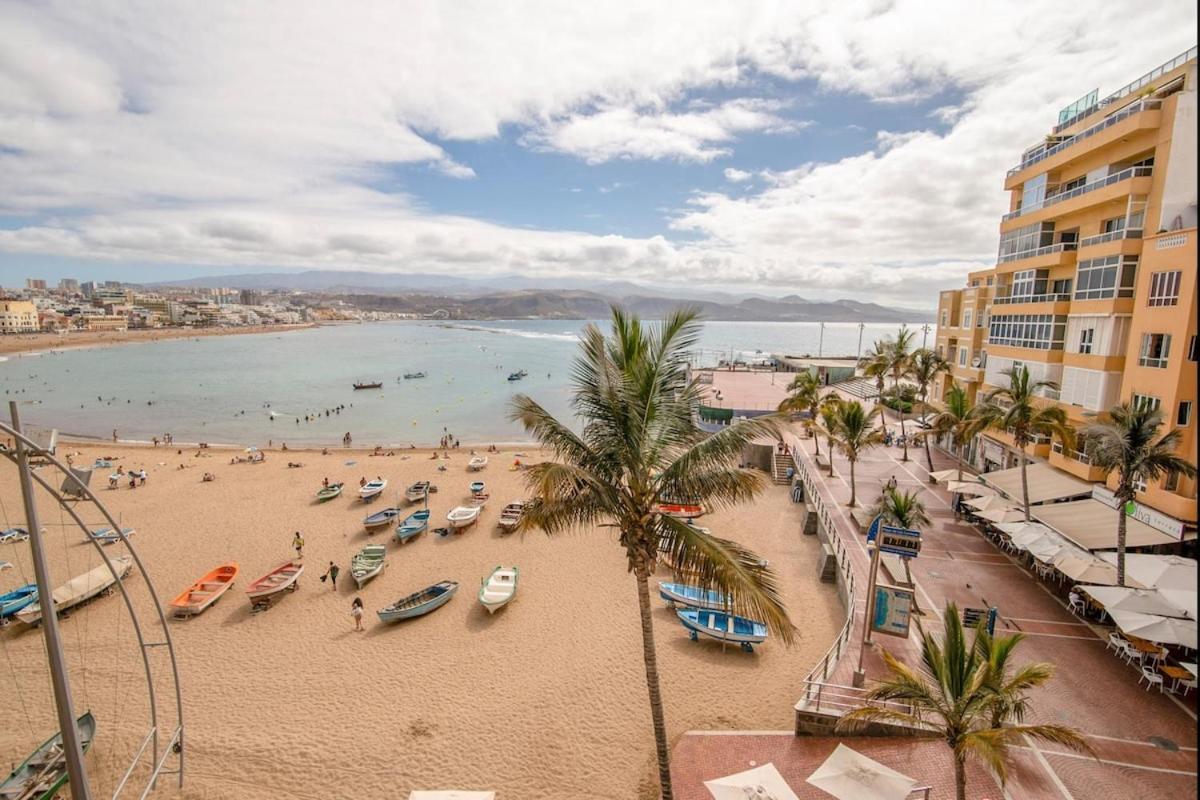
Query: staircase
(780, 464)
(861, 388)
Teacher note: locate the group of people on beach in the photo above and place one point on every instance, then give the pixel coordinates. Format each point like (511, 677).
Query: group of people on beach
(136, 478)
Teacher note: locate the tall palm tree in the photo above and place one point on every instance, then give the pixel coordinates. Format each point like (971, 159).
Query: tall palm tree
(856, 435)
(966, 697)
(958, 421)
(898, 356)
(1126, 441)
(805, 396)
(875, 364)
(923, 367)
(1016, 408)
(828, 426)
(639, 446)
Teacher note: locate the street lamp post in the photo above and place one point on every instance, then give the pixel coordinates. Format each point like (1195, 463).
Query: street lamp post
(861, 327)
(821, 341)
(924, 334)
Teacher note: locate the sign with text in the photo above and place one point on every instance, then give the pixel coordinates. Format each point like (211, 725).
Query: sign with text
(1141, 513)
(892, 610)
(899, 541)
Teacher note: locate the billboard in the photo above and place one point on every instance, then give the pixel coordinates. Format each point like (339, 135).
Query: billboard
(891, 611)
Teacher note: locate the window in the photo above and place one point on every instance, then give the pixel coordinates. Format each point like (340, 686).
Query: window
(1164, 288)
(1112, 225)
(945, 317)
(1111, 276)
(1022, 242)
(941, 351)
(989, 280)
(1139, 483)
(1145, 402)
(1086, 336)
(1035, 331)
(962, 356)
(967, 318)
(1029, 282)
(1156, 347)
(1184, 416)
(1171, 481)
(979, 320)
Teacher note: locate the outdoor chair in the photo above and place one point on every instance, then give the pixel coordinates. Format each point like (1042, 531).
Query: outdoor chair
(1151, 677)
(1115, 642)
(1186, 686)
(1129, 653)
(1076, 606)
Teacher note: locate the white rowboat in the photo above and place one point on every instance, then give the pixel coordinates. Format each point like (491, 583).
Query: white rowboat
(79, 589)
(499, 588)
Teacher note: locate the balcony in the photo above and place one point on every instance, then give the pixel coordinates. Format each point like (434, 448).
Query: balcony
(1094, 188)
(1131, 87)
(1052, 255)
(1050, 303)
(1101, 126)
(1111, 236)
(1074, 462)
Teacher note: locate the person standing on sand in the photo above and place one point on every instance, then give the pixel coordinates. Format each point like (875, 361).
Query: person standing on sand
(332, 572)
(356, 611)
(298, 543)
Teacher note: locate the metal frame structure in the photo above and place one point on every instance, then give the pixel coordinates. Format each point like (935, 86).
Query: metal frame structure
(19, 456)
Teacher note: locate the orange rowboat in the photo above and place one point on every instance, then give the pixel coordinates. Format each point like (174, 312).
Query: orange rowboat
(684, 510)
(206, 591)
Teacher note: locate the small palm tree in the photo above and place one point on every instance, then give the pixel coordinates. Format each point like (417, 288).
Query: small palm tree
(898, 365)
(1017, 409)
(900, 508)
(1126, 441)
(923, 367)
(639, 447)
(828, 426)
(876, 364)
(805, 396)
(856, 435)
(958, 421)
(965, 695)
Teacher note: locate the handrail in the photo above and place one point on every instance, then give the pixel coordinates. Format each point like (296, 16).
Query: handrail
(1107, 122)
(1117, 177)
(1131, 87)
(1041, 251)
(1112, 236)
(1057, 297)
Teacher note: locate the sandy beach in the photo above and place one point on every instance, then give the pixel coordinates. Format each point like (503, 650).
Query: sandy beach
(41, 342)
(545, 699)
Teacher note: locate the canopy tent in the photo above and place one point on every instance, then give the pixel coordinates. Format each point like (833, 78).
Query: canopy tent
(849, 775)
(1141, 601)
(451, 794)
(1005, 514)
(1045, 483)
(988, 501)
(1153, 628)
(1161, 572)
(969, 487)
(1093, 526)
(1083, 567)
(1023, 532)
(944, 475)
(761, 782)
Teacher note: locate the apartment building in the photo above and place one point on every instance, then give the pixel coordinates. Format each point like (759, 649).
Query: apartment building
(18, 316)
(1094, 286)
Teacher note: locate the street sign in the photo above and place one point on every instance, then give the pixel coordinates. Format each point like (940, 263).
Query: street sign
(972, 616)
(899, 541)
(873, 531)
(892, 609)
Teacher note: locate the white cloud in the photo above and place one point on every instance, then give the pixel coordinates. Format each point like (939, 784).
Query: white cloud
(737, 175)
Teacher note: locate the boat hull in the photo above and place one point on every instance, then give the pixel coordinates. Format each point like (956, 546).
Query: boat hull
(381, 519)
(79, 589)
(499, 588)
(206, 591)
(463, 516)
(412, 525)
(284, 578)
(328, 493)
(691, 596)
(21, 780)
(419, 603)
(723, 627)
(372, 490)
(17, 599)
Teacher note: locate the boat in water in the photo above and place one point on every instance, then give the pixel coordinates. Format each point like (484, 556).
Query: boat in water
(511, 515)
(380, 519)
(413, 524)
(518, 375)
(692, 596)
(372, 489)
(283, 578)
(462, 516)
(419, 603)
(206, 591)
(498, 589)
(44, 773)
(372, 385)
(723, 627)
(408, 376)
(367, 563)
(80, 589)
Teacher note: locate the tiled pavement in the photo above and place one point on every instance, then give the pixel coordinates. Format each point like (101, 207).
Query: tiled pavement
(1092, 691)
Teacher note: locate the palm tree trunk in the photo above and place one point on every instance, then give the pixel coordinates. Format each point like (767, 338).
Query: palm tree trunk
(656, 706)
(816, 440)
(830, 449)
(1024, 483)
(960, 778)
(1120, 541)
(928, 456)
(852, 486)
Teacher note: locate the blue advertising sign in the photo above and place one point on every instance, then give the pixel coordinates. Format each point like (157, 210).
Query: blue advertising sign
(899, 541)
(873, 531)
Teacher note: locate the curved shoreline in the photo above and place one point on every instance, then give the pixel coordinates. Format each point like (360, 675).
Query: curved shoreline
(36, 344)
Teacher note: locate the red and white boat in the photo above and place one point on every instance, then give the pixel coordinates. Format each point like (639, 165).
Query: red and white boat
(282, 578)
(681, 510)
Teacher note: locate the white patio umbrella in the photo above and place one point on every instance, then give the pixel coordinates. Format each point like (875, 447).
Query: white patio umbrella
(1046, 548)
(1161, 572)
(986, 502)
(849, 775)
(1182, 598)
(970, 487)
(1083, 567)
(1005, 514)
(1141, 601)
(451, 794)
(760, 783)
(943, 475)
(1027, 533)
(1163, 630)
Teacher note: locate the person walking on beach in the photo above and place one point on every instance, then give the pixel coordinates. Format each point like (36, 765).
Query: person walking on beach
(332, 572)
(356, 611)
(298, 544)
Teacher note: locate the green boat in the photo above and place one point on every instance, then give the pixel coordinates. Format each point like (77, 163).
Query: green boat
(45, 772)
(329, 492)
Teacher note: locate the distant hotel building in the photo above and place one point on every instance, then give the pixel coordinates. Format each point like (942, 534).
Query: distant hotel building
(1095, 282)
(17, 316)
(35, 285)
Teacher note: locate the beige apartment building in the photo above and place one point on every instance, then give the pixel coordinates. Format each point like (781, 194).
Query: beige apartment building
(1094, 286)
(18, 316)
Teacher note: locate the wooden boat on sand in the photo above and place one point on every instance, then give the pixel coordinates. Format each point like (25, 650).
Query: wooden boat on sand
(79, 589)
(419, 491)
(413, 524)
(372, 385)
(206, 591)
(328, 492)
(381, 519)
(462, 516)
(14, 601)
(283, 578)
(372, 489)
(477, 463)
(367, 563)
(44, 773)
(13, 535)
(498, 589)
(723, 627)
(476, 487)
(692, 596)
(511, 515)
(419, 603)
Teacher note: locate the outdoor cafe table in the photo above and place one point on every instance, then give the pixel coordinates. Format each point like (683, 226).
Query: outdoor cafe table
(1176, 674)
(1143, 646)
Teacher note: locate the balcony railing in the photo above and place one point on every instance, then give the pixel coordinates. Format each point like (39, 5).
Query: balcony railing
(1037, 438)
(1076, 455)
(1041, 251)
(1032, 298)
(1104, 124)
(1130, 88)
(1117, 177)
(1112, 236)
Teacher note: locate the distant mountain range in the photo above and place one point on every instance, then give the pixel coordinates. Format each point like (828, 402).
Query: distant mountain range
(518, 297)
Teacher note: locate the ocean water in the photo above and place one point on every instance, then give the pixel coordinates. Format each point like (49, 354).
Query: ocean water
(251, 389)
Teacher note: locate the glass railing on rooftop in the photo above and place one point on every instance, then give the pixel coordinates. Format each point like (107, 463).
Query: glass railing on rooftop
(1041, 251)
(1111, 236)
(1125, 174)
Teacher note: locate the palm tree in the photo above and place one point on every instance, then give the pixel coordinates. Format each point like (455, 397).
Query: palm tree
(898, 366)
(1016, 409)
(639, 446)
(1126, 441)
(958, 421)
(964, 695)
(923, 367)
(902, 509)
(856, 435)
(876, 364)
(829, 424)
(805, 396)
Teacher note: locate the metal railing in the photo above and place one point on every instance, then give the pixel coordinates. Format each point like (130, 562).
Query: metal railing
(1058, 297)
(1112, 236)
(1104, 124)
(1117, 177)
(1130, 88)
(1077, 455)
(1041, 251)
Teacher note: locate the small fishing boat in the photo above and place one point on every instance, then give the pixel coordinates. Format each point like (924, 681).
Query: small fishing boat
(373, 385)
(101, 463)
(413, 524)
(13, 535)
(419, 603)
(419, 491)
(372, 489)
(681, 510)
(462, 516)
(206, 591)
(328, 492)
(367, 563)
(497, 590)
(510, 516)
(108, 535)
(476, 487)
(412, 375)
(477, 463)
(691, 596)
(79, 589)
(380, 519)
(723, 627)
(44, 773)
(516, 376)
(14, 601)
(283, 578)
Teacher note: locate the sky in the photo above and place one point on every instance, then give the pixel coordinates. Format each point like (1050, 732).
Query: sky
(851, 149)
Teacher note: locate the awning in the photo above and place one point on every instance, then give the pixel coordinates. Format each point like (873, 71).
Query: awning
(849, 775)
(1045, 483)
(943, 475)
(1083, 567)
(1141, 601)
(1093, 525)
(1153, 628)
(1001, 514)
(988, 501)
(764, 781)
(969, 487)
(1161, 572)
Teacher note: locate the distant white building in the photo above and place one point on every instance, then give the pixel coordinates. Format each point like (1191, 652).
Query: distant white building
(18, 316)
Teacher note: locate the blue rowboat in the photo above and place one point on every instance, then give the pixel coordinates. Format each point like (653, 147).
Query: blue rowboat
(476, 487)
(14, 601)
(413, 524)
(381, 519)
(108, 535)
(14, 535)
(692, 596)
(723, 627)
(419, 603)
